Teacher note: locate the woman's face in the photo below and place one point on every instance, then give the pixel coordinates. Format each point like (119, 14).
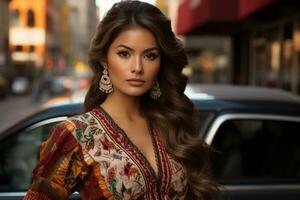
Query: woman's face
(133, 61)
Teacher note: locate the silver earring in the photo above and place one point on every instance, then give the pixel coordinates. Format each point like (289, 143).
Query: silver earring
(155, 92)
(105, 84)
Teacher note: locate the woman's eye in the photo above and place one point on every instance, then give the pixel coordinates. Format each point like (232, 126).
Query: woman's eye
(124, 54)
(151, 56)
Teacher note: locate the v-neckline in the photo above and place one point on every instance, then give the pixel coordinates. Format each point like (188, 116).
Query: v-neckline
(157, 174)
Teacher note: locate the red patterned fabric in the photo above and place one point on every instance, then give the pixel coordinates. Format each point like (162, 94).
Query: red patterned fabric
(91, 154)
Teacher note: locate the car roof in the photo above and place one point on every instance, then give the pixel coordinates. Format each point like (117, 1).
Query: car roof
(239, 92)
(250, 99)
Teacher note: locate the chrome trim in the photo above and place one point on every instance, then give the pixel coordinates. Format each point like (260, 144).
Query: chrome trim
(223, 188)
(254, 187)
(12, 194)
(47, 121)
(221, 119)
(22, 194)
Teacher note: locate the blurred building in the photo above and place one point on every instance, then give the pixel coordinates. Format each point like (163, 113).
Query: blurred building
(4, 21)
(261, 40)
(57, 40)
(82, 15)
(170, 9)
(27, 36)
(62, 28)
(162, 5)
(70, 25)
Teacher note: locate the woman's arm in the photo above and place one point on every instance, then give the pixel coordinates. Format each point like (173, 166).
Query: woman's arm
(61, 169)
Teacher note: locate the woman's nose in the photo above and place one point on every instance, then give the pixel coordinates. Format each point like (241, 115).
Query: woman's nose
(137, 66)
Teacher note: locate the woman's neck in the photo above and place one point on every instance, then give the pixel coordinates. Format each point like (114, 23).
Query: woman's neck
(122, 106)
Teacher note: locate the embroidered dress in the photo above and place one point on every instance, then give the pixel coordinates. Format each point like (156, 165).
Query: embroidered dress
(91, 154)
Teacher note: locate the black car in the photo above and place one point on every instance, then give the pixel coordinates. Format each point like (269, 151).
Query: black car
(255, 134)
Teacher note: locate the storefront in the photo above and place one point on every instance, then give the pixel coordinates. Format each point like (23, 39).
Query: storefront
(263, 38)
(275, 54)
(210, 53)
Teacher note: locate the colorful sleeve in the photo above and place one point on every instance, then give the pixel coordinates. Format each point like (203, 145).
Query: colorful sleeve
(61, 169)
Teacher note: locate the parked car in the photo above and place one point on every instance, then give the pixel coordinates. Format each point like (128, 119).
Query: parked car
(255, 134)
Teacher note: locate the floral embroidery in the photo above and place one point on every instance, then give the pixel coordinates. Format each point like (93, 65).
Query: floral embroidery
(91, 154)
(121, 170)
(79, 134)
(101, 182)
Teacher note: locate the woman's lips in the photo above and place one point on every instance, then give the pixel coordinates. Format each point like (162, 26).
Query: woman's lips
(135, 82)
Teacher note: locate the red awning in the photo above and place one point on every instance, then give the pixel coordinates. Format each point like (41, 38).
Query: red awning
(247, 7)
(195, 13)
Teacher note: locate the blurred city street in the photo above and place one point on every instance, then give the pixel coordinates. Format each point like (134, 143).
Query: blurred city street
(15, 108)
(243, 75)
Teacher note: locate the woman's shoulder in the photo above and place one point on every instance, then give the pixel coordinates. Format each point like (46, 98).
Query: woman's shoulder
(86, 129)
(81, 121)
(80, 125)
(84, 126)
(86, 122)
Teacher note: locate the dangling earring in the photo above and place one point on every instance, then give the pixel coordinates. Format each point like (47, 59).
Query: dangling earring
(155, 92)
(105, 84)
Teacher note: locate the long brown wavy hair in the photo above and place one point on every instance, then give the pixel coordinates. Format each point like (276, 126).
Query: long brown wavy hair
(173, 114)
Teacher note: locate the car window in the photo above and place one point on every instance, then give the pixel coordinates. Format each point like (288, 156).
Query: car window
(203, 118)
(258, 151)
(19, 155)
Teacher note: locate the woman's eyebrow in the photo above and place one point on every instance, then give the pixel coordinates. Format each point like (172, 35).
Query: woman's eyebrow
(150, 49)
(131, 49)
(124, 46)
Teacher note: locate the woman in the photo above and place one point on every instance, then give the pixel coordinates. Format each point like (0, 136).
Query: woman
(137, 137)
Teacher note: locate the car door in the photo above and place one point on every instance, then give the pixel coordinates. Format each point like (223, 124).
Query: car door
(19, 155)
(257, 156)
